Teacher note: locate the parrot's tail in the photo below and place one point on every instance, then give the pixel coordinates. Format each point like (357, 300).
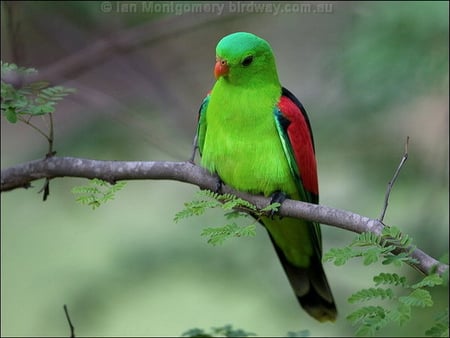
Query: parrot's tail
(311, 287)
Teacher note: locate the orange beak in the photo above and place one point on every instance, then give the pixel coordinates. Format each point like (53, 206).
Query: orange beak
(221, 68)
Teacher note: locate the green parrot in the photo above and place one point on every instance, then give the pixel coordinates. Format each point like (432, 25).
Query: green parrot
(255, 135)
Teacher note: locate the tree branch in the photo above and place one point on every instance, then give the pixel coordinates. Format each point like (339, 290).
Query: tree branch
(119, 42)
(21, 176)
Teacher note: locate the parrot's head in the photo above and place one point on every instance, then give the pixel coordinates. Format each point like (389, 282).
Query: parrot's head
(245, 59)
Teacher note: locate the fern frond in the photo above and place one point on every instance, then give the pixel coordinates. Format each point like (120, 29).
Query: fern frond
(97, 192)
(418, 298)
(371, 325)
(195, 208)
(218, 235)
(222, 331)
(430, 281)
(274, 207)
(228, 331)
(11, 67)
(371, 293)
(371, 255)
(440, 327)
(235, 214)
(340, 256)
(301, 333)
(389, 278)
(401, 314)
(364, 312)
(398, 259)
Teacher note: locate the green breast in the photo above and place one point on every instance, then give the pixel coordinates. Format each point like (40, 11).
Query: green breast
(242, 144)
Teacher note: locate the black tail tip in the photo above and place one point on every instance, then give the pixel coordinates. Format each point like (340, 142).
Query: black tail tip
(319, 308)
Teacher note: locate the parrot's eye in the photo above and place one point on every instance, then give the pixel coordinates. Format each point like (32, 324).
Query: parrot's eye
(247, 61)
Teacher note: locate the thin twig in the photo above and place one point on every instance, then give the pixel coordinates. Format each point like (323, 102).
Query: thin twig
(72, 328)
(392, 181)
(28, 122)
(51, 135)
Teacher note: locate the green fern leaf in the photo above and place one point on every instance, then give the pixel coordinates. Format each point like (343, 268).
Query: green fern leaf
(418, 298)
(371, 325)
(401, 314)
(398, 259)
(371, 255)
(430, 280)
(195, 333)
(218, 235)
(195, 208)
(97, 192)
(371, 293)
(364, 312)
(367, 239)
(235, 214)
(440, 327)
(301, 333)
(389, 278)
(340, 256)
(274, 207)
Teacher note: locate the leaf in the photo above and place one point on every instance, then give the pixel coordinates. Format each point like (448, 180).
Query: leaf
(418, 297)
(235, 214)
(274, 207)
(430, 280)
(401, 314)
(440, 326)
(195, 208)
(389, 278)
(371, 255)
(195, 333)
(397, 260)
(10, 115)
(97, 192)
(366, 239)
(366, 311)
(340, 256)
(11, 67)
(218, 235)
(228, 331)
(438, 330)
(371, 293)
(301, 333)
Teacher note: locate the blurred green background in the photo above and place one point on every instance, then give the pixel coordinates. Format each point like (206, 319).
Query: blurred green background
(369, 74)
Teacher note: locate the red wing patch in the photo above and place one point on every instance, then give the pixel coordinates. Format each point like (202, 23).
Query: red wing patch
(300, 137)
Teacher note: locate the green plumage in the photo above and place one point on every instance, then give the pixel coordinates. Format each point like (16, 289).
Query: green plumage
(239, 139)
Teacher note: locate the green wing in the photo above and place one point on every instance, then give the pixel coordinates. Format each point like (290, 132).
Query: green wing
(201, 127)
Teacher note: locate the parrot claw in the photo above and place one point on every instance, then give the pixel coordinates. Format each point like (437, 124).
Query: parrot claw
(219, 185)
(277, 197)
(194, 151)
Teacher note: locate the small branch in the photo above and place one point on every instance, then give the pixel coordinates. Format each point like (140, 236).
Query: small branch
(118, 43)
(112, 171)
(72, 328)
(27, 122)
(392, 181)
(51, 135)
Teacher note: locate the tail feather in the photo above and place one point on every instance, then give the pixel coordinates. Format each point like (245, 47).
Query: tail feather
(311, 287)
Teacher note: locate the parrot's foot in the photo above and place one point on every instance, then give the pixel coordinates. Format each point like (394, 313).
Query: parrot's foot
(194, 150)
(277, 197)
(219, 185)
(192, 158)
